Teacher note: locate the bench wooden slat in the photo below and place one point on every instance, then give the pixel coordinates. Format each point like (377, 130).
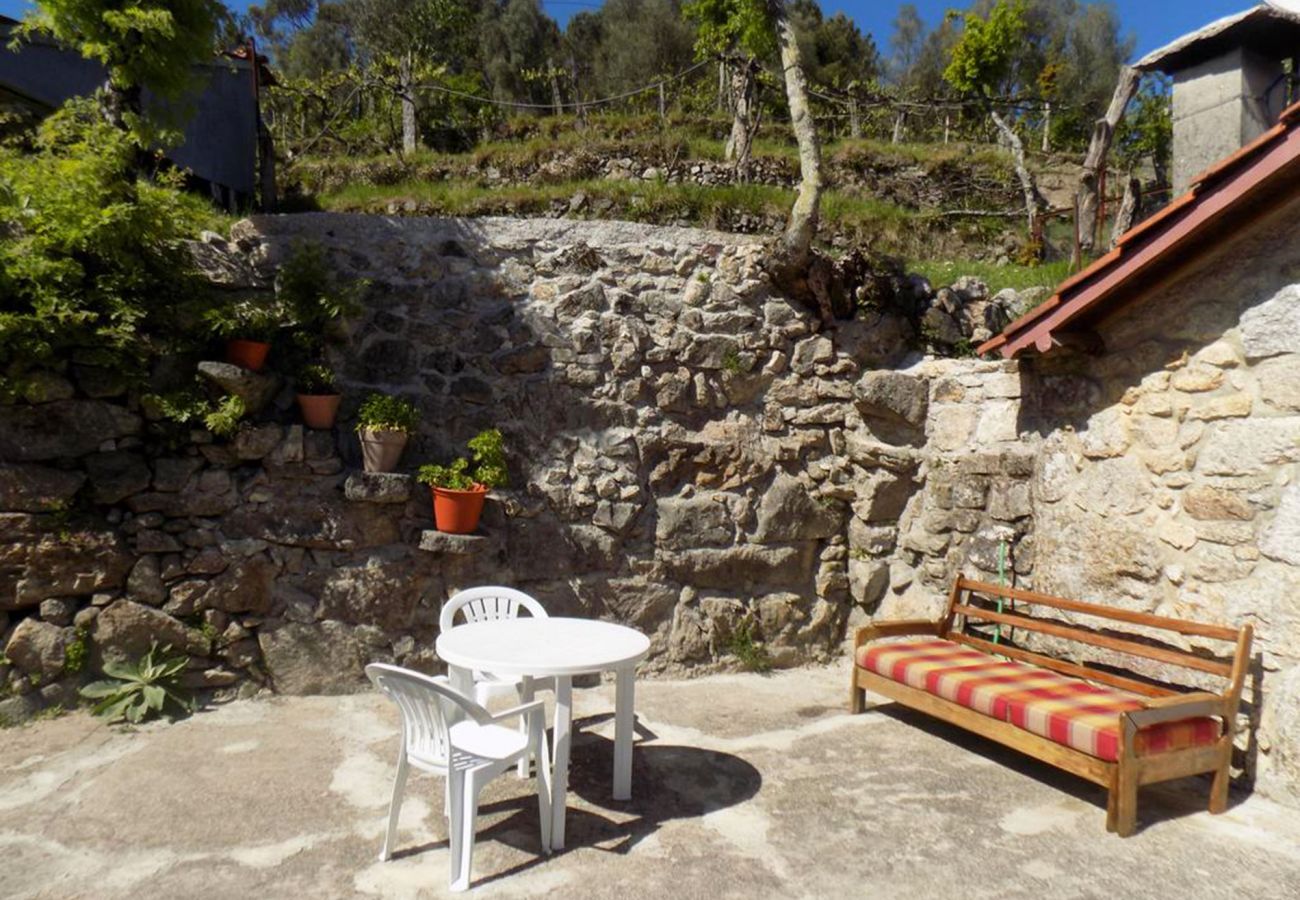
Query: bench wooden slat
(1064, 667)
(1061, 630)
(1200, 629)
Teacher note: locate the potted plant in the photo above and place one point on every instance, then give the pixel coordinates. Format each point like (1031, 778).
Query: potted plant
(318, 396)
(460, 488)
(384, 425)
(248, 329)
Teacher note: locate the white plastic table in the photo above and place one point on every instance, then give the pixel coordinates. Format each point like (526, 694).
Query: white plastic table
(558, 648)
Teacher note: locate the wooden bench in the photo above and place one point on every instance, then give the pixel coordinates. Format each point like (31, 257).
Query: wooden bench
(1106, 724)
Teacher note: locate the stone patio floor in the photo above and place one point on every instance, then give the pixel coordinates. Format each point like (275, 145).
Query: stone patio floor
(745, 786)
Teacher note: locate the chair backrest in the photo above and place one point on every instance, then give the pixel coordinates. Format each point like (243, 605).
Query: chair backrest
(487, 604)
(423, 701)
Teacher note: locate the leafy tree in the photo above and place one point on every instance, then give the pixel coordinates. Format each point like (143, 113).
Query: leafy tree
(741, 33)
(984, 65)
(906, 42)
(142, 43)
(399, 35)
(514, 37)
(89, 248)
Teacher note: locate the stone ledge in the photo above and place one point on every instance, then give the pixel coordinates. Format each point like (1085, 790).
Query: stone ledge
(378, 487)
(436, 541)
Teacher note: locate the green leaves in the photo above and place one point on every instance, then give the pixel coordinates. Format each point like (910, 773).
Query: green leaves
(728, 26)
(142, 43)
(982, 60)
(487, 456)
(141, 690)
(380, 412)
(91, 262)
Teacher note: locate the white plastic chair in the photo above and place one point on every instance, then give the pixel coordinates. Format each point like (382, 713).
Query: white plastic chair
(468, 754)
(488, 604)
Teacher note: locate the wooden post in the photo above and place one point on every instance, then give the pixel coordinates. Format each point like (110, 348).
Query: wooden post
(898, 128)
(1094, 164)
(663, 105)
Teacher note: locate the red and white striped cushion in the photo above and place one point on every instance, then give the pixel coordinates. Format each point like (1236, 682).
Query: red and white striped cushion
(1063, 709)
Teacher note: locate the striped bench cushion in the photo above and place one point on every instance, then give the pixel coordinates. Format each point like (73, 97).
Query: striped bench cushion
(1066, 710)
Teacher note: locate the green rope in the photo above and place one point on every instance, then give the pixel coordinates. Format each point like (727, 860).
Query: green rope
(1002, 582)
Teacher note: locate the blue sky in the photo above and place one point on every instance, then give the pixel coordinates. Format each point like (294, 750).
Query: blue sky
(1153, 22)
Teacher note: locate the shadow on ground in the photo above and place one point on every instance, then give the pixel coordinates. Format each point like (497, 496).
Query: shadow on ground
(1162, 802)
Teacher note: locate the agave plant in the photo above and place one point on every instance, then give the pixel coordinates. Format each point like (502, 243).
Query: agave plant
(140, 690)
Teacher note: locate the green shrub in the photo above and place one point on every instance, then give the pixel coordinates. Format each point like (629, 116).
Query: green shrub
(314, 298)
(191, 406)
(141, 690)
(487, 459)
(753, 656)
(316, 380)
(382, 412)
(74, 655)
(92, 268)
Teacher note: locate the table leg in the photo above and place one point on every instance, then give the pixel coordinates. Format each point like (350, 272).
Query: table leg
(462, 681)
(560, 771)
(624, 718)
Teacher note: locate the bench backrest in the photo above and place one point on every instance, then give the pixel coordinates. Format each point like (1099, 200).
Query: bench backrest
(975, 602)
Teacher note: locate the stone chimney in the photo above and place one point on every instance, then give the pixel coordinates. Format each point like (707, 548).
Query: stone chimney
(1230, 84)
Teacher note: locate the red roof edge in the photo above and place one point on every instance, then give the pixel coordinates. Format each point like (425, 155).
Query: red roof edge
(1222, 187)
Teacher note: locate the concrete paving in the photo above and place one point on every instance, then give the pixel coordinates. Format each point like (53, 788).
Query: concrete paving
(745, 786)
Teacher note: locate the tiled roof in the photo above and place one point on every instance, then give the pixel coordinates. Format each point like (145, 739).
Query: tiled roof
(1230, 193)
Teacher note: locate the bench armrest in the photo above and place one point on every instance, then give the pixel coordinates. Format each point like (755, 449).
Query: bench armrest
(899, 628)
(1173, 708)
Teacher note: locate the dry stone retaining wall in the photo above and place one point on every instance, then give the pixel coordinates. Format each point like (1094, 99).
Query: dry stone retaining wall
(690, 454)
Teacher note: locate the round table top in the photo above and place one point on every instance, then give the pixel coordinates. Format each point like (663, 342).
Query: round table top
(540, 647)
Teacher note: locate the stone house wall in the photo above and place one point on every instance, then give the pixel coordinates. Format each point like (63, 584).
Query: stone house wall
(1167, 475)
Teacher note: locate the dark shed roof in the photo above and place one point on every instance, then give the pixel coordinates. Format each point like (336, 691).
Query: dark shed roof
(1269, 28)
(219, 141)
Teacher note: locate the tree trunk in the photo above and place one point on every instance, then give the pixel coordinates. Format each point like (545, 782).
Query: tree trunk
(557, 102)
(1093, 164)
(406, 78)
(1047, 127)
(1027, 186)
(744, 110)
(118, 104)
(1128, 209)
(947, 125)
(796, 243)
(724, 99)
(855, 119)
(898, 128)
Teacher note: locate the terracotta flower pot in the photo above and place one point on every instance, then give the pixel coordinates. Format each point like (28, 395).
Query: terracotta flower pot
(247, 354)
(382, 450)
(457, 512)
(319, 410)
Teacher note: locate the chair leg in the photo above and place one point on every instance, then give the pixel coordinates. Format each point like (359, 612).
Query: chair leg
(1126, 802)
(468, 819)
(395, 806)
(525, 696)
(456, 797)
(1219, 787)
(1112, 806)
(857, 699)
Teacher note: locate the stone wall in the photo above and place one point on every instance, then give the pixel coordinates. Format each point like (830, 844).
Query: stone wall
(688, 456)
(1166, 480)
